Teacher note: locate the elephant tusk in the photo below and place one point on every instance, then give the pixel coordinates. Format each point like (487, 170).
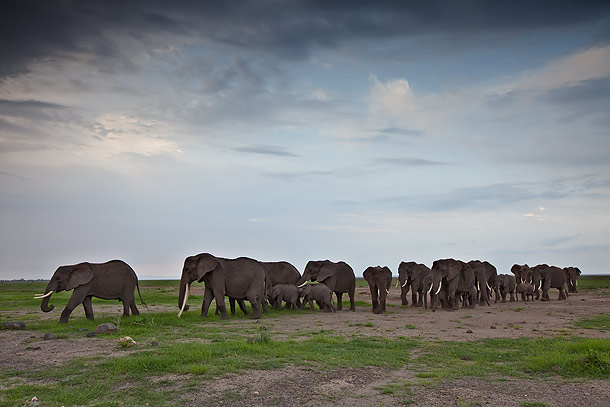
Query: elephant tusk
(302, 284)
(186, 297)
(397, 283)
(539, 285)
(387, 291)
(439, 289)
(488, 287)
(479, 286)
(40, 296)
(429, 289)
(406, 281)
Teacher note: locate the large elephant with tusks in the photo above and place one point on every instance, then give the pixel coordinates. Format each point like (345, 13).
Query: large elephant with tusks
(241, 278)
(454, 277)
(339, 277)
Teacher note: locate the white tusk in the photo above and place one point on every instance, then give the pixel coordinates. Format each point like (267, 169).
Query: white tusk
(406, 281)
(439, 288)
(186, 297)
(397, 283)
(302, 284)
(40, 296)
(479, 286)
(539, 285)
(488, 287)
(429, 289)
(387, 291)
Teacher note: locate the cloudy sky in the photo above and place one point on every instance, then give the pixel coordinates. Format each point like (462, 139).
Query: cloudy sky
(369, 132)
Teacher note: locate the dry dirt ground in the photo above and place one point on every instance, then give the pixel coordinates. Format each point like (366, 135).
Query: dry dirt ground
(360, 387)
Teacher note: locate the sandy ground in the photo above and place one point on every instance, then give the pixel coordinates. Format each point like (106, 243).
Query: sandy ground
(360, 387)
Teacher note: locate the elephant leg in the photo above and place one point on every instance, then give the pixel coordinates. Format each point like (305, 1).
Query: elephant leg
(403, 296)
(242, 307)
(352, 293)
(252, 296)
(420, 299)
(125, 307)
(413, 296)
(78, 296)
(208, 295)
(512, 296)
(87, 305)
(232, 305)
(134, 309)
(374, 299)
(339, 301)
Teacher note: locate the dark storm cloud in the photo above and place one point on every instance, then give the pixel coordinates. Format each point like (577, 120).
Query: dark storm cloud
(33, 30)
(265, 150)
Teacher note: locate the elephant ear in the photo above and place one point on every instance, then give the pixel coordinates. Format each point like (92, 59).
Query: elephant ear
(326, 271)
(80, 275)
(205, 265)
(367, 274)
(388, 273)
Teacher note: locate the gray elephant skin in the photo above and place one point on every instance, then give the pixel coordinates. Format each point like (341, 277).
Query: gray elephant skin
(111, 280)
(380, 282)
(339, 277)
(320, 293)
(456, 278)
(240, 278)
(505, 284)
(485, 277)
(546, 277)
(520, 272)
(288, 293)
(526, 290)
(411, 275)
(277, 272)
(572, 274)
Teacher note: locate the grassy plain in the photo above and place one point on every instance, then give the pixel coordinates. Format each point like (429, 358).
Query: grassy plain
(173, 356)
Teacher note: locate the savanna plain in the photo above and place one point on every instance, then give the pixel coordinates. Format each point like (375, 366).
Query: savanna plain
(536, 353)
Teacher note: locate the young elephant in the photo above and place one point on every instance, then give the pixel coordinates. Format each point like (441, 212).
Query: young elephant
(321, 294)
(288, 293)
(526, 290)
(505, 284)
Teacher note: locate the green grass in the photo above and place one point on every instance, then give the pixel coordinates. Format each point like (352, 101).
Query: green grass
(598, 322)
(593, 282)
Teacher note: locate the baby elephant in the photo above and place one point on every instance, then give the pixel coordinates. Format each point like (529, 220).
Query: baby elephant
(288, 293)
(505, 284)
(526, 290)
(319, 293)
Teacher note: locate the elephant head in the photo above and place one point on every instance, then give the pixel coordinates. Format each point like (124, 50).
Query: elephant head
(572, 274)
(195, 269)
(521, 272)
(65, 278)
(317, 271)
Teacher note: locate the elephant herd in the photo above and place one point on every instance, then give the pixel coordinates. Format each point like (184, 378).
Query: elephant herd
(448, 283)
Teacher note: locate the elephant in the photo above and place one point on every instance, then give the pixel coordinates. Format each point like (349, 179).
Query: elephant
(546, 277)
(288, 293)
(277, 272)
(114, 279)
(412, 274)
(505, 284)
(380, 281)
(520, 272)
(456, 277)
(526, 290)
(240, 278)
(485, 276)
(572, 274)
(339, 277)
(320, 293)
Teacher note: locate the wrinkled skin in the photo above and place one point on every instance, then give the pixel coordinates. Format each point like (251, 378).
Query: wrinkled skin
(411, 275)
(288, 293)
(526, 290)
(572, 274)
(427, 288)
(456, 277)
(112, 280)
(485, 277)
(339, 277)
(319, 293)
(242, 278)
(547, 277)
(505, 284)
(379, 280)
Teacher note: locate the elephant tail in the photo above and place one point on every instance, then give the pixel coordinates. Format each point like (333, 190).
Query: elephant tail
(141, 300)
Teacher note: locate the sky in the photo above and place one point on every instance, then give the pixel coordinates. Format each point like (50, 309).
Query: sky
(368, 132)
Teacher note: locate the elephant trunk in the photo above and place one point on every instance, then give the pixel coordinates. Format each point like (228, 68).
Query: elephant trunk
(44, 306)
